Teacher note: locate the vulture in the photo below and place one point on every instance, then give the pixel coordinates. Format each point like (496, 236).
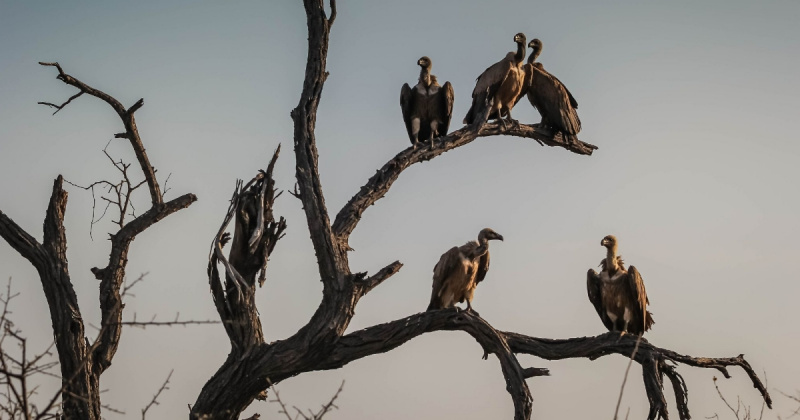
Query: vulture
(459, 271)
(427, 107)
(498, 87)
(618, 294)
(551, 98)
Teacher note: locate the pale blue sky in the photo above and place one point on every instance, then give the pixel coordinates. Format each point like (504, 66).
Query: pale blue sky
(691, 103)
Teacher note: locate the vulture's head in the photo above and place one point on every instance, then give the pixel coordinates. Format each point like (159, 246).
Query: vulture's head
(424, 62)
(610, 241)
(519, 38)
(536, 45)
(489, 235)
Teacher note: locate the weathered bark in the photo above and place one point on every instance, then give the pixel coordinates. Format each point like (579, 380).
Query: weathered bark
(253, 365)
(82, 363)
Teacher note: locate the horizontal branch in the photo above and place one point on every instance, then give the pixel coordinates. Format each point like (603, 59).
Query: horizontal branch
(379, 184)
(386, 337)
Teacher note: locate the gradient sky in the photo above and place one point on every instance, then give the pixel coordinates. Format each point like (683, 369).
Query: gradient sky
(691, 103)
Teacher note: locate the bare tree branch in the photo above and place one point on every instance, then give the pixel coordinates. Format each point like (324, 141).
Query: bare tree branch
(254, 365)
(154, 401)
(128, 120)
(379, 184)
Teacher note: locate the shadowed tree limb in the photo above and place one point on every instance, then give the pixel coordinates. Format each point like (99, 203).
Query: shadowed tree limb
(126, 115)
(378, 185)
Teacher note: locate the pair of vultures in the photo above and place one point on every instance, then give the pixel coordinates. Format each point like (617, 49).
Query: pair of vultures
(428, 107)
(617, 294)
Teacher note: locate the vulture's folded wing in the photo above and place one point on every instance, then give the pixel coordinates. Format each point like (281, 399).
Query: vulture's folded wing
(552, 100)
(446, 107)
(642, 320)
(407, 106)
(442, 270)
(594, 287)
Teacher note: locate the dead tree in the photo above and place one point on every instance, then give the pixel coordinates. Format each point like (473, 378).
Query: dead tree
(253, 365)
(82, 362)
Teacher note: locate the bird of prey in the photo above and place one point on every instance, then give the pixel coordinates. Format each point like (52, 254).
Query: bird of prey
(427, 107)
(551, 98)
(459, 271)
(618, 295)
(498, 87)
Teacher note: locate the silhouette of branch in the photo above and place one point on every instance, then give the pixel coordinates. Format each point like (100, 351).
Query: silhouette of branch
(378, 185)
(154, 401)
(324, 409)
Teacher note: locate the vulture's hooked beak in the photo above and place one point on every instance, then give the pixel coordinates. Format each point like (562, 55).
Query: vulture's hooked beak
(603, 242)
(499, 236)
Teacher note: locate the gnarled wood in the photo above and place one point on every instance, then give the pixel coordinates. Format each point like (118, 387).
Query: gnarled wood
(253, 365)
(82, 363)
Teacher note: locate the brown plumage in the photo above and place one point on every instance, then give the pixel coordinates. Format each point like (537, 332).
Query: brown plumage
(459, 271)
(428, 107)
(618, 295)
(498, 87)
(551, 98)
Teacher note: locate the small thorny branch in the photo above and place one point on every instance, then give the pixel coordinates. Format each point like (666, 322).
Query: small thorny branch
(310, 415)
(154, 401)
(118, 194)
(16, 392)
(742, 411)
(794, 398)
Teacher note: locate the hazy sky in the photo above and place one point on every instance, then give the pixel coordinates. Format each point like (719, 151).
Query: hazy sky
(691, 104)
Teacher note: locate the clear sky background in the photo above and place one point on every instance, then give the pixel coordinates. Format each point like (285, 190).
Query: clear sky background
(691, 103)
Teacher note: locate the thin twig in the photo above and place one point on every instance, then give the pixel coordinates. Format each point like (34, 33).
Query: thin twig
(154, 401)
(625, 379)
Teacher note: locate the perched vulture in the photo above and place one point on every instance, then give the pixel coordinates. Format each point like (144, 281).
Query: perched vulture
(617, 294)
(551, 98)
(428, 107)
(459, 271)
(498, 88)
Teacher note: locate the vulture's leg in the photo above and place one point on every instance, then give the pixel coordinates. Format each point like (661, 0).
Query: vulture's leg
(624, 329)
(415, 130)
(514, 123)
(469, 308)
(434, 131)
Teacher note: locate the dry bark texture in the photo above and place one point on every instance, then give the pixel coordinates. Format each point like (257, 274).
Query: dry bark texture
(253, 365)
(83, 362)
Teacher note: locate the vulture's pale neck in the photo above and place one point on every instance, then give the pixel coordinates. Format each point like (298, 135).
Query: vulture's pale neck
(520, 55)
(425, 75)
(611, 259)
(534, 55)
(483, 246)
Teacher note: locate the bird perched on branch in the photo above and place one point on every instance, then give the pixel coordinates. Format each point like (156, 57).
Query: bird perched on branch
(459, 271)
(428, 107)
(498, 87)
(551, 98)
(618, 295)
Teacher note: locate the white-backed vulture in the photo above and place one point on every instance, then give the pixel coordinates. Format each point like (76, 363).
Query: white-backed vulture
(498, 88)
(551, 98)
(618, 295)
(428, 107)
(459, 271)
